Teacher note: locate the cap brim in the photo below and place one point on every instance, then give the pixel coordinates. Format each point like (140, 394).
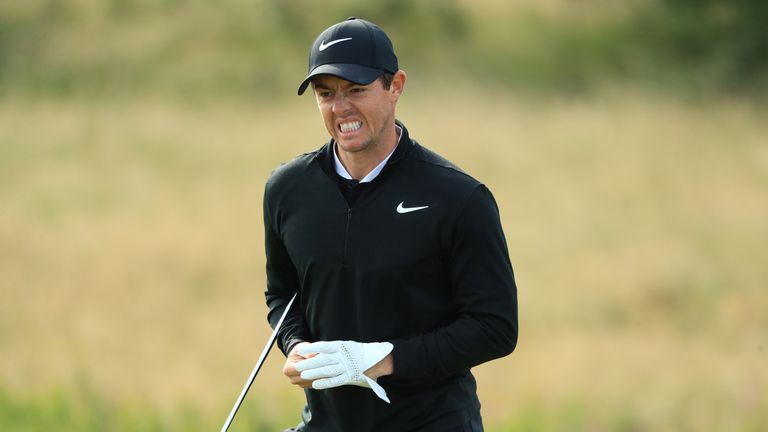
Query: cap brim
(351, 72)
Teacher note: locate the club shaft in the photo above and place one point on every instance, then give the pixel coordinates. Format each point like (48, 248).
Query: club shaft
(263, 357)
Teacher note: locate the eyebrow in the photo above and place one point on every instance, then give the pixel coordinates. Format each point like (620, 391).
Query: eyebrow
(320, 86)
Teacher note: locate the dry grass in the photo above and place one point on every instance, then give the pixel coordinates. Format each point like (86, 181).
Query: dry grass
(131, 254)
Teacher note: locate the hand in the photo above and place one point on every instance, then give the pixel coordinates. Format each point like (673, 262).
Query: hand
(289, 368)
(382, 368)
(338, 363)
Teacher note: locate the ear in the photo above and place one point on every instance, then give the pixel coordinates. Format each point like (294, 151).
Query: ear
(398, 83)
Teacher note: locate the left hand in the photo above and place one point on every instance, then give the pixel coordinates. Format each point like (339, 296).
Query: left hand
(338, 363)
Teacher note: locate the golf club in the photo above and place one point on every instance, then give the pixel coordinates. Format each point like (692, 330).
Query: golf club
(263, 357)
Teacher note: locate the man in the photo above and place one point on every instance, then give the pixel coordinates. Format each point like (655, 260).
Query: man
(398, 257)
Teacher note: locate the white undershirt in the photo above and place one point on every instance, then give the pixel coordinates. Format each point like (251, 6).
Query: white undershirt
(340, 170)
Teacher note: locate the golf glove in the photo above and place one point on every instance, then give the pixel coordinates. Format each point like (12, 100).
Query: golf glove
(339, 363)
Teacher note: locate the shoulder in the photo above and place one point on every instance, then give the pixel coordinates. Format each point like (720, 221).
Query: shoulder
(289, 173)
(441, 171)
(289, 180)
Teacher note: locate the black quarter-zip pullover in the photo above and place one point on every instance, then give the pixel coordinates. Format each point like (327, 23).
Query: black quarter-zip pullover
(418, 259)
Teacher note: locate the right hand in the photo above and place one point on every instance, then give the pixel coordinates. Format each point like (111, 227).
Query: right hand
(289, 368)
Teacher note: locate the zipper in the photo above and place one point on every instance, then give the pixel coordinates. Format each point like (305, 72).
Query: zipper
(346, 236)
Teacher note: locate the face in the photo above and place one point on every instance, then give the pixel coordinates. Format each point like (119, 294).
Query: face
(358, 117)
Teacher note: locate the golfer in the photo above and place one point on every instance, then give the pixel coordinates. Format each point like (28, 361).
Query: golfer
(399, 259)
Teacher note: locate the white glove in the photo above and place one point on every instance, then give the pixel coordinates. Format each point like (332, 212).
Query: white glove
(339, 363)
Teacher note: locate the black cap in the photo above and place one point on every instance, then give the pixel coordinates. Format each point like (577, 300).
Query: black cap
(355, 50)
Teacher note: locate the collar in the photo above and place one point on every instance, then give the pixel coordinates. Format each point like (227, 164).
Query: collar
(324, 155)
(340, 170)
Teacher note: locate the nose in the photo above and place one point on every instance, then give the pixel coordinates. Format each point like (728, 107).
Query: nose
(340, 104)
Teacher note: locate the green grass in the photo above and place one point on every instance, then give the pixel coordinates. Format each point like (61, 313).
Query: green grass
(136, 137)
(86, 411)
(81, 411)
(191, 50)
(132, 263)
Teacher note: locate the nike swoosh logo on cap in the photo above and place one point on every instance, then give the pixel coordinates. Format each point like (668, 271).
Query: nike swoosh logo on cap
(324, 45)
(401, 209)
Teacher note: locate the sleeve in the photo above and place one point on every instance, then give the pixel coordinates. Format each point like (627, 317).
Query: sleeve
(282, 283)
(485, 298)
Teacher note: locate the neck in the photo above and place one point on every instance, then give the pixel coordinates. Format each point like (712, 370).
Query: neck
(359, 164)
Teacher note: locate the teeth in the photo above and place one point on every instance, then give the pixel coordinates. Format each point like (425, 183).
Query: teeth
(351, 126)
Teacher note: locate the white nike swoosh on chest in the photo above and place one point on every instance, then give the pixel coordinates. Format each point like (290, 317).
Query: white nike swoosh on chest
(324, 45)
(401, 209)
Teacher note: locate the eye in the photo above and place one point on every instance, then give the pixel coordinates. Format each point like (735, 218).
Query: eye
(324, 94)
(357, 89)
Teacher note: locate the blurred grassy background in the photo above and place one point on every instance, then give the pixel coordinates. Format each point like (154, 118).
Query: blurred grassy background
(626, 143)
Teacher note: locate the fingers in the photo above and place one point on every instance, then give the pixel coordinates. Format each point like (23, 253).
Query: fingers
(322, 372)
(323, 347)
(289, 368)
(327, 383)
(315, 362)
(294, 376)
(295, 350)
(302, 383)
(317, 354)
(316, 365)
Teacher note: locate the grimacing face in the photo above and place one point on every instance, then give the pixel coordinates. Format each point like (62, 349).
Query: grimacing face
(358, 117)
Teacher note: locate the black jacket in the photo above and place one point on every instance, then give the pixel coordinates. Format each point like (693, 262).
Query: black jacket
(436, 282)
